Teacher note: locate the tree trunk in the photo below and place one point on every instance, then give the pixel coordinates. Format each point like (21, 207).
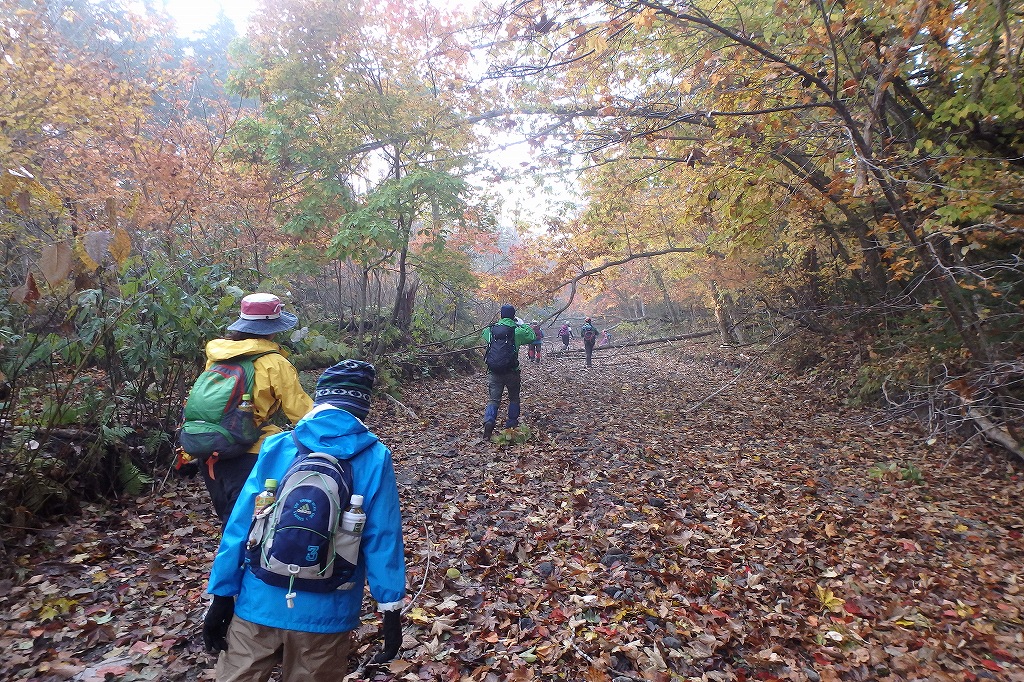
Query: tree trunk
(724, 315)
(399, 317)
(660, 281)
(340, 293)
(364, 283)
(404, 311)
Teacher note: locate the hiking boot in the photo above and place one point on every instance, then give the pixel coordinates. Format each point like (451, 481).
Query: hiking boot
(488, 430)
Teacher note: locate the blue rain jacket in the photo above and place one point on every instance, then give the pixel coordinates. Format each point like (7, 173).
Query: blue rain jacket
(381, 553)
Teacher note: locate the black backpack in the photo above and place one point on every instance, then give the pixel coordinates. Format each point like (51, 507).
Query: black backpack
(501, 355)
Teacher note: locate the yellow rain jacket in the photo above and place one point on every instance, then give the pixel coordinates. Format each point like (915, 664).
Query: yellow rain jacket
(275, 383)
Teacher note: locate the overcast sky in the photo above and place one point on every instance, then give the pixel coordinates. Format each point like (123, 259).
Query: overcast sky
(195, 15)
(522, 199)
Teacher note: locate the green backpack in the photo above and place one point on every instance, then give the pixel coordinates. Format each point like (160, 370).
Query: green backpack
(214, 419)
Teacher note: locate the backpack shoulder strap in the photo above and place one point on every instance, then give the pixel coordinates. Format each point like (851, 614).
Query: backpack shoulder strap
(248, 364)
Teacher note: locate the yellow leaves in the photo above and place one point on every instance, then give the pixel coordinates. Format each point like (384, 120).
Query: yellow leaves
(644, 19)
(828, 600)
(55, 607)
(120, 246)
(94, 248)
(418, 615)
(596, 42)
(24, 194)
(83, 255)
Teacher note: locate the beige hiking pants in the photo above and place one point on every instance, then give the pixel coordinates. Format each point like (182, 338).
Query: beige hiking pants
(254, 650)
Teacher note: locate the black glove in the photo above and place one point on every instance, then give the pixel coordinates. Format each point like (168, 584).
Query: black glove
(392, 636)
(215, 624)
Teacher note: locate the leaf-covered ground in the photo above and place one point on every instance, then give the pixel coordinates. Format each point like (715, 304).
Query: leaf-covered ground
(682, 518)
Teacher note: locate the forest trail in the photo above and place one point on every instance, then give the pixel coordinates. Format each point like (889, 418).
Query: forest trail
(690, 517)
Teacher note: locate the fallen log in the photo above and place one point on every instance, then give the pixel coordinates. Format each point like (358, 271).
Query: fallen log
(991, 431)
(644, 342)
(398, 403)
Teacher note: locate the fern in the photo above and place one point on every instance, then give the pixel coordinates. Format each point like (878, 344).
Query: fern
(132, 479)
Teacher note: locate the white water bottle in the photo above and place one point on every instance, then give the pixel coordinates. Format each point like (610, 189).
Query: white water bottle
(354, 517)
(352, 521)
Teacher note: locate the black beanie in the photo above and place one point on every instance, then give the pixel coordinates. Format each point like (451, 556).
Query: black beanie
(508, 311)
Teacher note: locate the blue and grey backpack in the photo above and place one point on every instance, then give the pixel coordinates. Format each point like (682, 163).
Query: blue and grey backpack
(297, 542)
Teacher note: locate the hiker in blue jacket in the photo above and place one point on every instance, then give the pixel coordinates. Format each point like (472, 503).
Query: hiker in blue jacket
(250, 622)
(504, 377)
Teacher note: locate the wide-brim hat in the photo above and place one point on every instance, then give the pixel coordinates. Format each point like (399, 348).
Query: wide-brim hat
(262, 314)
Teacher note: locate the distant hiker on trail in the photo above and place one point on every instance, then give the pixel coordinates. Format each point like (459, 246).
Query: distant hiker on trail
(588, 332)
(287, 606)
(533, 351)
(566, 335)
(606, 338)
(502, 357)
(271, 381)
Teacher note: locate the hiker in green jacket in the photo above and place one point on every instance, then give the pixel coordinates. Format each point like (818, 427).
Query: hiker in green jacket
(502, 357)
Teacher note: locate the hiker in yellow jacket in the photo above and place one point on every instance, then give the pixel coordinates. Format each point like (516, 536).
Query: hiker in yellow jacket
(276, 389)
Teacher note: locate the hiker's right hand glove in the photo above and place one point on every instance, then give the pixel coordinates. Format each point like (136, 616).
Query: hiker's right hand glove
(392, 636)
(215, 624)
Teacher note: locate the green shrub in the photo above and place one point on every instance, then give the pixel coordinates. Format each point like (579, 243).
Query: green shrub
(896, 472)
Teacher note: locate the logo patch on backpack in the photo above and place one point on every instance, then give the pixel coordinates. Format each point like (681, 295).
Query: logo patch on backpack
(297, 542)
(212, 421)
(501, 355)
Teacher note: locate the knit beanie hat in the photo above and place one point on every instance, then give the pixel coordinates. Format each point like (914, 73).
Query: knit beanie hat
(347, 386)
(508, 311)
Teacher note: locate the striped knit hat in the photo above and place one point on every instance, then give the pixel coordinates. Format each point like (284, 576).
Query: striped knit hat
(347, 385)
